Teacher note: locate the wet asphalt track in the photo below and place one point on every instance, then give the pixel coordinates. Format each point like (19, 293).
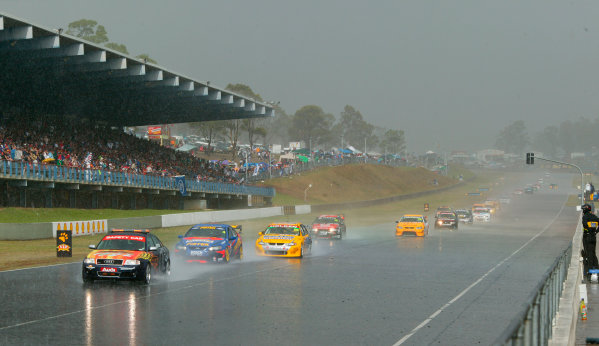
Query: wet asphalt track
(455, 288)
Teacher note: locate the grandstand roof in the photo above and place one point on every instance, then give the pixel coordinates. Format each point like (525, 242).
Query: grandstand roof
(44, 71)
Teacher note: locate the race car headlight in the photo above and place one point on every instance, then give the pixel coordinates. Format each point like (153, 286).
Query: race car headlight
(131, 262)
(314, 229)
(261, 242)
(419, 227)
(89, 261)
(439, 222)
(215, 248)
(332, 229)
(181, 247)
(291, 244)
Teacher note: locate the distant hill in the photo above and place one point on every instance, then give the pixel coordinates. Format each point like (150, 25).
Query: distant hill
(356, 182)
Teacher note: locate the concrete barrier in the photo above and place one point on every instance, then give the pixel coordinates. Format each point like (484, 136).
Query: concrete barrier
(136, 222)
(184, 219)
(25, 231)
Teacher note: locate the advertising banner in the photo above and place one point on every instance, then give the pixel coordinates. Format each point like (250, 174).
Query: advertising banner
(180, 182)
(64, 244)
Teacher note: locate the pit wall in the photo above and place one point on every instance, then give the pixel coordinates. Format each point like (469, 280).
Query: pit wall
(29, 231)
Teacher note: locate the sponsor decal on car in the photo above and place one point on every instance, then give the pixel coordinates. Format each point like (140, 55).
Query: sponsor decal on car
(284, 237)
(125, 237)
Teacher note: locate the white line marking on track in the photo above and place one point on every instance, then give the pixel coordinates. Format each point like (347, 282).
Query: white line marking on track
(140, 298)
(38, 267)
(461, 294)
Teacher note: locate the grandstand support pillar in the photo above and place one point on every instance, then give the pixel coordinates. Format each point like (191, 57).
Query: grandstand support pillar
(49, 194)
(94, 199)
(132, 201)
(181, 203)
(23, 198)
(150, 202)
(72, 199)
(114, 201)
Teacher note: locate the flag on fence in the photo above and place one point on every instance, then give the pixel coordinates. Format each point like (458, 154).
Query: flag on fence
(180, 182)
(88, 160)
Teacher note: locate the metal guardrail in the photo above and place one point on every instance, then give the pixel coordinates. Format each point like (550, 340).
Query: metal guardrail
(533, 325)
(62, 174)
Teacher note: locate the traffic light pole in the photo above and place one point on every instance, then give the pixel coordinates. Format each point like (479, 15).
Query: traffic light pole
(572, 165)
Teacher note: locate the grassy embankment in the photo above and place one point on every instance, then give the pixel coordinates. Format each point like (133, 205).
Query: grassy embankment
(388, 182)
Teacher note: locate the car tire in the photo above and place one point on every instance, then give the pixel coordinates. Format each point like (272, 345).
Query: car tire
(167, 268)
(240, 254)
(301, 252)
(147, 277)
(87, 279)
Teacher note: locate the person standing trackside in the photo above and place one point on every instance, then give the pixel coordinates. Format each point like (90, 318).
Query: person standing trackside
(590, 223)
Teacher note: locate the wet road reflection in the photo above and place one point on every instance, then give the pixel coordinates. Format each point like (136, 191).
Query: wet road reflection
(369, 288)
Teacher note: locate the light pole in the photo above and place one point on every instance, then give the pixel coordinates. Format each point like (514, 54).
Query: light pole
(530, 160)
(306, 192)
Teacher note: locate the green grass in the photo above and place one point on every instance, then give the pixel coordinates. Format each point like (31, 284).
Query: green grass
(283, 199)
(32, 215)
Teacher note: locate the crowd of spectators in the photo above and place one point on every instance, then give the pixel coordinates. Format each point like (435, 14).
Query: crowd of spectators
(73, 143)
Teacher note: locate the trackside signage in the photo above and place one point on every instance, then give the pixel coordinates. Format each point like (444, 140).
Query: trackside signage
(79, 228)
(64, 244)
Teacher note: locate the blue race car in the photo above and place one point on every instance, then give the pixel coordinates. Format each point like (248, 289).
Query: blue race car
(204, 243)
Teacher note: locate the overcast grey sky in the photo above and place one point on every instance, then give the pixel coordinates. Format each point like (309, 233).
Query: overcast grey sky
(451, 74)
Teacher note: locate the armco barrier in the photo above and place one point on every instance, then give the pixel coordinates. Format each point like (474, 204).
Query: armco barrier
(79, 228)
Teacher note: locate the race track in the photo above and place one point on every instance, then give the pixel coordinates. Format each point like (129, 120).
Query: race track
(459, 287)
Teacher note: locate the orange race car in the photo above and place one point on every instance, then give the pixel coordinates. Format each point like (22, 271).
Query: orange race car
(284, 240)
(414, 224)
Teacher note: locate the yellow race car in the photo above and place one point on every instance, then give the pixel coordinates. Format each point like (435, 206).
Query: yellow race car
(414, 224)
(284, 240)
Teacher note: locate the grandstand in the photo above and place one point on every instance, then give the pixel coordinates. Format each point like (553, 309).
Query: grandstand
(63, 106)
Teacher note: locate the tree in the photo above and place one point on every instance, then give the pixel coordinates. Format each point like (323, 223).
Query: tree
(513, 138)
(244, 90)
(146, 57)
(547, 141)
(88, 30)
(118, 47)
(393, 142)
(210, 130)
(232, 128)
(311, 124)
(354, 129)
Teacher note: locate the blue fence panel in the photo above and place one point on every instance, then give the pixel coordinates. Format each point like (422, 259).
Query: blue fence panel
(20, 170)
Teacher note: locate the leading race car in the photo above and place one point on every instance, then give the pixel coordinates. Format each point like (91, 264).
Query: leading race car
(329, 226)
(126, 254)
(218, 243)
(284, 240)
(412, 224)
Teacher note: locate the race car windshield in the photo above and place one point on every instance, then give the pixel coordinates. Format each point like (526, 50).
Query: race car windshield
(326, 220)
(462, 213)
(206, 232)
(122, 244)
(282, 230)
(481, 210)
(446, 216)
(410, 219)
